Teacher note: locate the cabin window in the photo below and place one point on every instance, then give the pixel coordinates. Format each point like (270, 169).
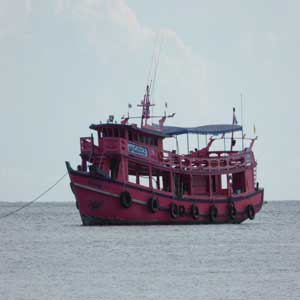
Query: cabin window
(138, 174)
(161, 180)
(238, 183)
(224, 182)
(135, 136)
(150, 140)
(155, 141)
(116, 132)
(181, 184)
(122, 133)
(130, 135)
(114, 168)
(109, 132)
(140, 137)
(143, 139)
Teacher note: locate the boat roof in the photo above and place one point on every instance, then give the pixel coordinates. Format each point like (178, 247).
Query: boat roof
(132, 126)
(175, 130)
(202, 130)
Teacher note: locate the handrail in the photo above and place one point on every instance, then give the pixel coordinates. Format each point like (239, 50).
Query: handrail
(231, 161)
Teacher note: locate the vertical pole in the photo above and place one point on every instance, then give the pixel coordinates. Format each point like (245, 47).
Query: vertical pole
(188, 143)
(177, 145)
(198, 145)
(233, 122)
(206, 139)
(209, 186)
(242, 121)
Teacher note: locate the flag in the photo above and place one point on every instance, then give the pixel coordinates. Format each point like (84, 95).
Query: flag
(166, 104)
(234, 120)
(129, 105)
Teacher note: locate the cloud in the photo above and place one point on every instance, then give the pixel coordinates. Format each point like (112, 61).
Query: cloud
(14, 15)
(115, 32)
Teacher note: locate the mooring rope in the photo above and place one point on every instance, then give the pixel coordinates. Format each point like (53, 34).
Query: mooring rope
(35, 199)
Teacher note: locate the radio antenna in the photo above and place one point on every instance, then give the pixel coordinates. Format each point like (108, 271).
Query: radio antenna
(156, 66)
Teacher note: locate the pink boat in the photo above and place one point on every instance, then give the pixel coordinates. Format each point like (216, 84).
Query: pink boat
(126, 176)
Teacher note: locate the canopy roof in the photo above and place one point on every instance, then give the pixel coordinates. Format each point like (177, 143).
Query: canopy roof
(204, 130)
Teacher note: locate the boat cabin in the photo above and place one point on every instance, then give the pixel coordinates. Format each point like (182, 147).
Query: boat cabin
(135, 156)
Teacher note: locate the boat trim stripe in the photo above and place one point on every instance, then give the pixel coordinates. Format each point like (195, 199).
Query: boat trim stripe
(105, 193)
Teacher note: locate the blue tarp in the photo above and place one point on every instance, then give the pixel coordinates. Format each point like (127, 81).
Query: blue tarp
(203, 130)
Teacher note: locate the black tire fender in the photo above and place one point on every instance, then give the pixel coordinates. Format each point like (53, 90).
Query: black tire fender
(174, 211)
(250, 212)
(125, 199)
(231, 210)
(195, 211)
(213, 213)
(153, 204)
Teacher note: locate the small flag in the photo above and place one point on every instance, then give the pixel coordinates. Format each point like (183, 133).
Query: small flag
(234, 120)
(129, 105)
(166, 104)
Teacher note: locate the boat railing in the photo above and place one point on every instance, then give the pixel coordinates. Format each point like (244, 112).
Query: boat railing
(213, 161)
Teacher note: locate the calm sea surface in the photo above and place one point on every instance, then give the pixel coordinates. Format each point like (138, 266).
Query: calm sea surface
(46, 254)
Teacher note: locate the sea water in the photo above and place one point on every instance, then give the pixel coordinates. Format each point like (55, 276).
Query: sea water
(45, 253)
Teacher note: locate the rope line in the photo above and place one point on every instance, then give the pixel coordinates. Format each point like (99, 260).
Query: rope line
(35, 199)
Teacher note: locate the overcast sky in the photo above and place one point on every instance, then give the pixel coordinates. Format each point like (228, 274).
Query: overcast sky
(65, 64)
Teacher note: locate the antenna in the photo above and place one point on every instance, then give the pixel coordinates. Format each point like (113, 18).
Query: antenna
(242, 121)
(152, 59)
(156, 65)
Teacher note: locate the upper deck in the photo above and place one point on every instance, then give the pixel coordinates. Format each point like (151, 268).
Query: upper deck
(147, 146)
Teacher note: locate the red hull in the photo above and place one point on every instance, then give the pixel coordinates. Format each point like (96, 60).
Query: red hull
(98, 201)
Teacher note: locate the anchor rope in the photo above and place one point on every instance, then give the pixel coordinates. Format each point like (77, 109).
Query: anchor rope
(35, 199)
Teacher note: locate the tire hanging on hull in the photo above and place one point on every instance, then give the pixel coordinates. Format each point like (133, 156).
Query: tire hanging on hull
(153, 205)
(174, 211)
(231, 210)
(125, 199)
(213, 213)
(195, 212)
(250, 212)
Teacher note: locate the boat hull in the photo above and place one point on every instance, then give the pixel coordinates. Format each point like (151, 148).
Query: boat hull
(99, 203)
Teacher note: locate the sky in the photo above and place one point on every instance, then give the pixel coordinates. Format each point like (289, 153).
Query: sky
(65, 64)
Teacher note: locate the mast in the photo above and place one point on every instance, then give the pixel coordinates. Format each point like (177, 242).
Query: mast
(145, 104)
(242, 121)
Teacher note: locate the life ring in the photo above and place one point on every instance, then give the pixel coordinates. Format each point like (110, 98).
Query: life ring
(174, 212)
(231, 210)
(125, 199)
(213, 213)
(250, 212)
(195, 211)
(153, 204)
(181, 210)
